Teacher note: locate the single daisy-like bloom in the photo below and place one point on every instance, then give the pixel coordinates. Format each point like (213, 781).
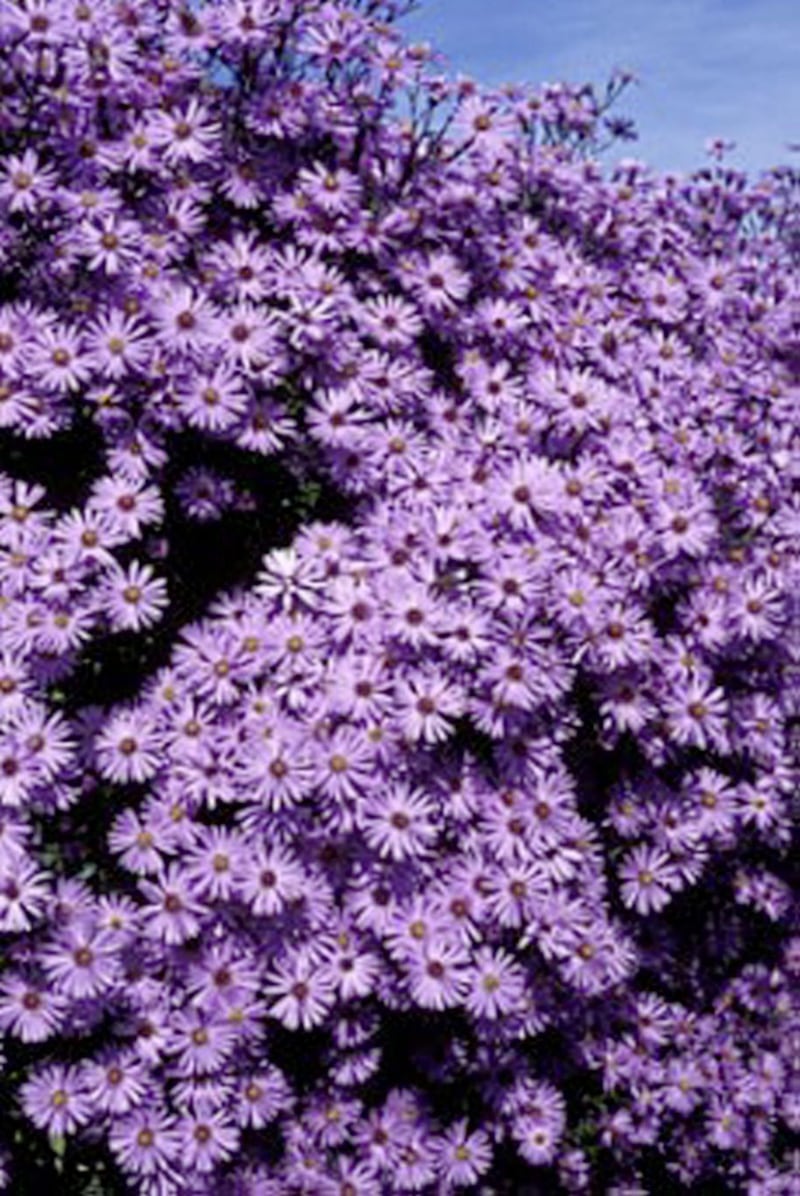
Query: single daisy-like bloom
(137, 147)
(25, 182)
(128, 747)
(185, 135)
(392, 321)
(145, 1142)
(201, 1043)
(265, 427)
(289, 580)
(482, 122)
(439, 282)
(759, 804)
(530, 487)
(355, 970)
(20, 774)
(136, 843)
(111, 243)
(413, 614)
(82, 964)
(697, 713)
(173, 912)
(686, 528)
(204, 494)
(28, 1011)
(400, 822)
(281, 773)
(249, 339)
(757, 609)
(497, 984)
(271, 879)
(214, 864)
(344, 765)
(116, 1084)
(465, 1156)
(302, 991)
(515, 891)
(55, 1100)
(184, 318)
(23, 893)
(243, 264)
(134, 596)
(88, 536)
(130, 505)
(335, 191)
(59, 360)
(118, 344)
(206, 1140)
(262, 1096)
(427, 702)
(215, 400)
(536, 1140)
(648, 879)
(438, 976)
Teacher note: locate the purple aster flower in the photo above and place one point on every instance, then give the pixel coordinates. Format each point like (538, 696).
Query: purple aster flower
(270, 880)
(206, 1140)
(281, 773)
(413, 615)
(648, 879)
(23, 891)
(302, 992)
(515, 892)
(214, 401)
(759, 804)
(415, 1161)
(697, 715)
(116, 1084)
(686, 529)
(26, 182)
(130, 505)
(146, 1144)
(55, 1100)
(127, 747)
(685, 1085)
(187, 134)
(29, 1011)
(223, 979)
(439, 282)
(136, 844)
(400, 823)
(118, 344)
(344, 765)
(355, 970)
(213, 865)
(426, 702)
(134, 596)
(111, 243)
(82, 963)
(262, 1097)
(204, 494)
(59, 360)
(464, 1156)
(201, 1043)
(173, 912)
(438, 976)
(497, 984)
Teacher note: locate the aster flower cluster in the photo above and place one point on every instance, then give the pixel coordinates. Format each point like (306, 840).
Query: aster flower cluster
(449, 849)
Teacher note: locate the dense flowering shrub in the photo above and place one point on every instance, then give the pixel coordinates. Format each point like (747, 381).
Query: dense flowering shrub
(446, 847)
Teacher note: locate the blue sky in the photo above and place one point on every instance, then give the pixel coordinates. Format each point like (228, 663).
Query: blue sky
(707, 68)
